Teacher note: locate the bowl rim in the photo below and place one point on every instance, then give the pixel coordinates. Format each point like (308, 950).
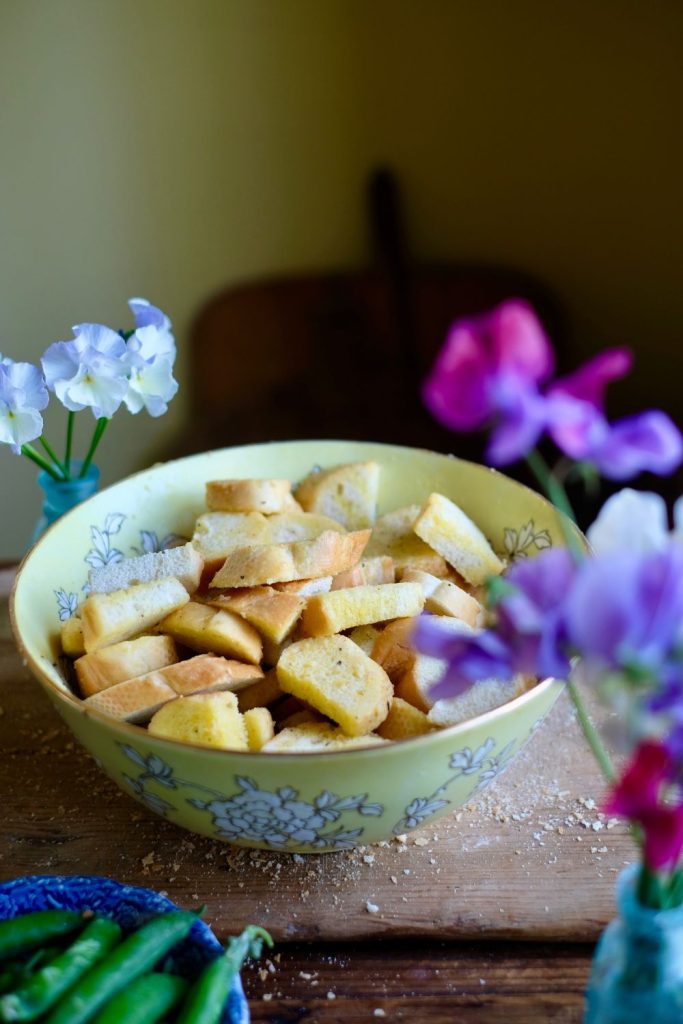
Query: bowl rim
(138, 731)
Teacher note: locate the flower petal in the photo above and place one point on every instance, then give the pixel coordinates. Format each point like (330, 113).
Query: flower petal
(635, 520)
(519, 342)
(649, 441)
(590, 381)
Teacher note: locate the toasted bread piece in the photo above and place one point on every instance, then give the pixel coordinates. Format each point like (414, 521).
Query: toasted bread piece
(394, 649)
(265, 496)
(424, 671)
(260, 727)
(184, 563)
(207, 673)
(124, 660)
(272, 652)
(109, 618)
(312, 737)
(306, 588)
(71, 634)
(326, 555)
(134, 700)
(481, 697)
(354, 577)
(365, 637)
(443, 597)
(272, 613)
(331, 613)
(379, 569)
(403, 721)
(203, 628)
(446, 528)
(346, 493)
(205, 720)
(291, 526)
(393, 535)
(301, 717)
(260, 694)
(332, 674)
(216, 534)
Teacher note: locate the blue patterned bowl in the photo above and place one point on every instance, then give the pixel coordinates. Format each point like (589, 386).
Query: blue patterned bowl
(131, 907)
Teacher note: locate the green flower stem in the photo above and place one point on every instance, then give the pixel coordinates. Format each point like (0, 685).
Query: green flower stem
(30, 453)
(96, 438)
(69, 441)
(50, 451)
(591, 733)
(550, 484)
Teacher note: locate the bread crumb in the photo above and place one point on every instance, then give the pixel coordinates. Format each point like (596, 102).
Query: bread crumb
(331, 995)
(421, 841)
(371, 908)
(379, 1012)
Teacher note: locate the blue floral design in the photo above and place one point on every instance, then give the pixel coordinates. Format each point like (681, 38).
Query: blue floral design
(279, 819)
(149, 542)
(102, 553)
(66, 603)
(463, 762)
(518, 543)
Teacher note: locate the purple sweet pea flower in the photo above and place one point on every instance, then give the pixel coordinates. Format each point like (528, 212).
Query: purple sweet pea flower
(488, 371)
(470, 657)
(590, 381)
(22, 397)
(90, 371)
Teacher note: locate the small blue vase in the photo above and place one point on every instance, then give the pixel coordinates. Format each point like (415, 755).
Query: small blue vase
(62, 495)
(637, 972)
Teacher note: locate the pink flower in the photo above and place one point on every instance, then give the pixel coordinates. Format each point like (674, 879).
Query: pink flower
(636, 797)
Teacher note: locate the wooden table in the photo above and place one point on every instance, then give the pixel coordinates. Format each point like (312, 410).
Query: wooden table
(61, 815)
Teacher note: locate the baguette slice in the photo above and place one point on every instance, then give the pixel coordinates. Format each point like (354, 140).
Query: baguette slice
(393, 536)
(393, 648)
(205, 720)
(134, 700)
(260, 727)
(379, 569)
(109, 618)
(204, 629)
(483, 696)
(72, 637)
(216, 534)
(404, 721)
(446, 528)
(289, 526)
(311, 737)
(124, 660)
(306, 588)
(184, 563)
(346, 493)
(272, 613)
(265, 496)
(443, 597)
(261, 693)
(332, 674)
(207, 673)
(326, 555)
(332, 613)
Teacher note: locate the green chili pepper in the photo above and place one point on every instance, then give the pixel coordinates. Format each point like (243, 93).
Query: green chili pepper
(49, 984)
(20, 934)
(206, 1001)
(134, 957)
(145, 1000)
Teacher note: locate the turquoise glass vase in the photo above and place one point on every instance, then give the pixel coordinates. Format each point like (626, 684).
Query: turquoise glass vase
(637, 972)
(62, 495)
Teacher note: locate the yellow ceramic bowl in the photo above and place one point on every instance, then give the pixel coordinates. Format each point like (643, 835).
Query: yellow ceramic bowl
(304, 803)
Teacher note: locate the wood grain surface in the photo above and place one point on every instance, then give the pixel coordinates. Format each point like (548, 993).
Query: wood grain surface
(531, 860)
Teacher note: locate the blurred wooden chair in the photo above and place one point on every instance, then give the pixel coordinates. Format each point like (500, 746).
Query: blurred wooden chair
(341, 355)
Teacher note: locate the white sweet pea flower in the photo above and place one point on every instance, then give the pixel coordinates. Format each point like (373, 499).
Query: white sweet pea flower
(633, 521)
(151, 384)
(90, 371)
(155, 324)
(22, 395)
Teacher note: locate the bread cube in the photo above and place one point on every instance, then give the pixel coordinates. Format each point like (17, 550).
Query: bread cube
(425, 671)
(393, 648)
(291, 526)
(483, 696)
(312, 737)
(332, 674)
(216, 534)
(365, 637)
(260, 727)
(122, 614)
(446, 528)
(134, 700)
(346, 493)
(265, 496)
(261, 693)
(404, 721)
(306, 588)
(184, 563)
(443, 597)
(272, 613)
(72, 637)
(379, 569)
(205, 720)
(393, 536)
(331, 613)
(124, 660)
(207, 673)
(203, 628)
(326, 555)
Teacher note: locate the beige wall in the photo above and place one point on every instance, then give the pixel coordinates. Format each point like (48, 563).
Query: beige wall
(166, 147)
